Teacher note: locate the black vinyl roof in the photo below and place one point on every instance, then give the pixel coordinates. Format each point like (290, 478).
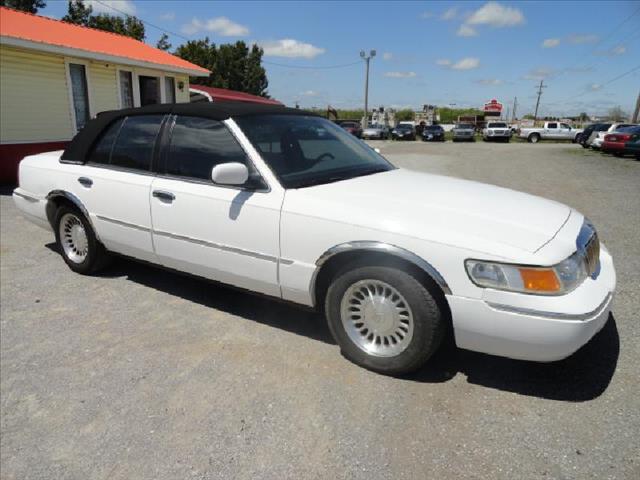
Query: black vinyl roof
(78, 148)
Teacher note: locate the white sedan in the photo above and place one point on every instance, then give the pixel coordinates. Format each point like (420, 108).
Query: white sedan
(287, 204)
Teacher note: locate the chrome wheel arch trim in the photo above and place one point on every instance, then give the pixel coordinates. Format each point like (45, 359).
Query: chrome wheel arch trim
(380, 247)
(76, 202)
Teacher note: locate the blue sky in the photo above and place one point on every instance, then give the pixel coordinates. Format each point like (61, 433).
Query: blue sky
(443, 53)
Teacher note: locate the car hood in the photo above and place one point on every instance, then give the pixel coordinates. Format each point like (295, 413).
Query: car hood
(372, 130)
(457, 212)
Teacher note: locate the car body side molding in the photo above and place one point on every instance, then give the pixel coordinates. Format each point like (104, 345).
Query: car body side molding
(381, 247)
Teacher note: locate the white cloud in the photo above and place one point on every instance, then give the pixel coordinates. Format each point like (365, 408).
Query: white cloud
(449, 14)
(111, 7)
(400, 74)
(551, 43)
(619, 50)
(594, 87)
(168, 16)
(490, 81)
(466, 31)
(579, 39)
(290, 48)
(387, 56)
(309, 93)
(540, 73)
(220, 25)
(468, 63)
(496, 15)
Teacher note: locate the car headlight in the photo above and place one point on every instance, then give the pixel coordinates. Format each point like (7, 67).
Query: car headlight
(556, 280)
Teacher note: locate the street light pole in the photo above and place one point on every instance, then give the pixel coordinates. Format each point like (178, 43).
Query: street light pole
(366, 58)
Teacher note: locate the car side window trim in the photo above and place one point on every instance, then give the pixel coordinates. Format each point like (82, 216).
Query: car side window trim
(163, 161)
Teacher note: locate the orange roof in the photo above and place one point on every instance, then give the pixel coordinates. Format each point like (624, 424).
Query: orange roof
(47, 34)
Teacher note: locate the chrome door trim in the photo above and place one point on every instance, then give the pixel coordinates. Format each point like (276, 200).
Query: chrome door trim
(123, 224)
(225, 248)
(28, 198)
(375, 246)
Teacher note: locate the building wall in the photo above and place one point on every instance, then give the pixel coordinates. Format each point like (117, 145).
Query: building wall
(34, 99)
(35, 103)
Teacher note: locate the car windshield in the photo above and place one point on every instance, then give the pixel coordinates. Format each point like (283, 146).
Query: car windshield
(306, 150)
(465, 126)
(497, 125)
(433, 127)
(404, 127)
(349, 125)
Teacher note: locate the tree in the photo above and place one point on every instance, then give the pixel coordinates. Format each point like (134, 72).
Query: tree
(616, 114)
(234, 66)
(30, 6)
(80, 14)
(583, 117)
(163, 43)
(405, 115)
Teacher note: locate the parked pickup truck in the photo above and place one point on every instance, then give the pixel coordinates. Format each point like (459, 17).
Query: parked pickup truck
(550, 131)
(285, 203)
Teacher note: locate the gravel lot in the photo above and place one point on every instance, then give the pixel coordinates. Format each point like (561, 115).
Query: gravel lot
(140, 373)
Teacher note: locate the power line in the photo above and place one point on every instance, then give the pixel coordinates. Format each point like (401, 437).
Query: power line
(628, 72)
(164, 30)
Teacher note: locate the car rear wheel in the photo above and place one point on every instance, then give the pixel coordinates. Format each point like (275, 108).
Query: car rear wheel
(534, 138)
(77, 242)
(384, 319)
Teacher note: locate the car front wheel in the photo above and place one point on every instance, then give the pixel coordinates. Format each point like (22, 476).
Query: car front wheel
(384, 319)
(77, 243)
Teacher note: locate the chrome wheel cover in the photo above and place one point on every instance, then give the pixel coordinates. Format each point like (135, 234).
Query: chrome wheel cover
(377, 318)
(73, 238)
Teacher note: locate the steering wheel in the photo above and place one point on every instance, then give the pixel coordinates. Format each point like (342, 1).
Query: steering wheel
(321, 157)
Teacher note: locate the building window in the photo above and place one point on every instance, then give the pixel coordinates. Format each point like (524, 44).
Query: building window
(149, 90)
(126, 89)
(80, 94)
(169, 90)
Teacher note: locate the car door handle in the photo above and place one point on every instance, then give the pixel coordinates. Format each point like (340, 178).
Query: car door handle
(85, 182)
(163, 196)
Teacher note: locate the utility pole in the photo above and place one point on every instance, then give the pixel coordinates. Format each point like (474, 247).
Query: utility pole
(535, 115)
(515, 105)
(636, 112)
(366, 58)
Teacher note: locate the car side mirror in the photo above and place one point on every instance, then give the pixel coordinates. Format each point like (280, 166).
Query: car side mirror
(232, 173)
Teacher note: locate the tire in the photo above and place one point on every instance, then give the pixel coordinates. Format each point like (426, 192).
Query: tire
(78, 245)
(534, 138)
(423, 325)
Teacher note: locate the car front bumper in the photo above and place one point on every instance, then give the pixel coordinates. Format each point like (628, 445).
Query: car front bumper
(533, 327)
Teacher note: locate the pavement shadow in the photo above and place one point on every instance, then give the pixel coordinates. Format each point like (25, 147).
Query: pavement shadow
(582, 377)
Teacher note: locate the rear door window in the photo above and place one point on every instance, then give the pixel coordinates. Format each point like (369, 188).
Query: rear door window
(136, 141)
(101, 152)
(552, 125)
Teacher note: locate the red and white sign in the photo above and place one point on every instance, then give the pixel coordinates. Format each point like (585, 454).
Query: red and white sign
(493, 106)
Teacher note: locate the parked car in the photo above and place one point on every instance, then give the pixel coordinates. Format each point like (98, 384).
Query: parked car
(583, 138)
(433, 133)
(550, 131)
(615, 142)
(464, 131)
(498, 131)
(285, 203)
(597, 137)
(353, 128)
(632, 147)
(378, 132)
(403, 131)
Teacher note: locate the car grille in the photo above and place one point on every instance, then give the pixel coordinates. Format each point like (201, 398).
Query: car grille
(500, 132)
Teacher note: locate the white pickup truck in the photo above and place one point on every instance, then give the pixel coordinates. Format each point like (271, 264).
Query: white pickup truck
(550, 131)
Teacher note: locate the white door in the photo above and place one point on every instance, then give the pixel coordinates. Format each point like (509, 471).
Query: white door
(552, 130)
(229, 234)
(116, 184)
(564, 131)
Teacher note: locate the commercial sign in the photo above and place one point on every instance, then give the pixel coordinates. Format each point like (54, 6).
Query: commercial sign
(493, 107)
